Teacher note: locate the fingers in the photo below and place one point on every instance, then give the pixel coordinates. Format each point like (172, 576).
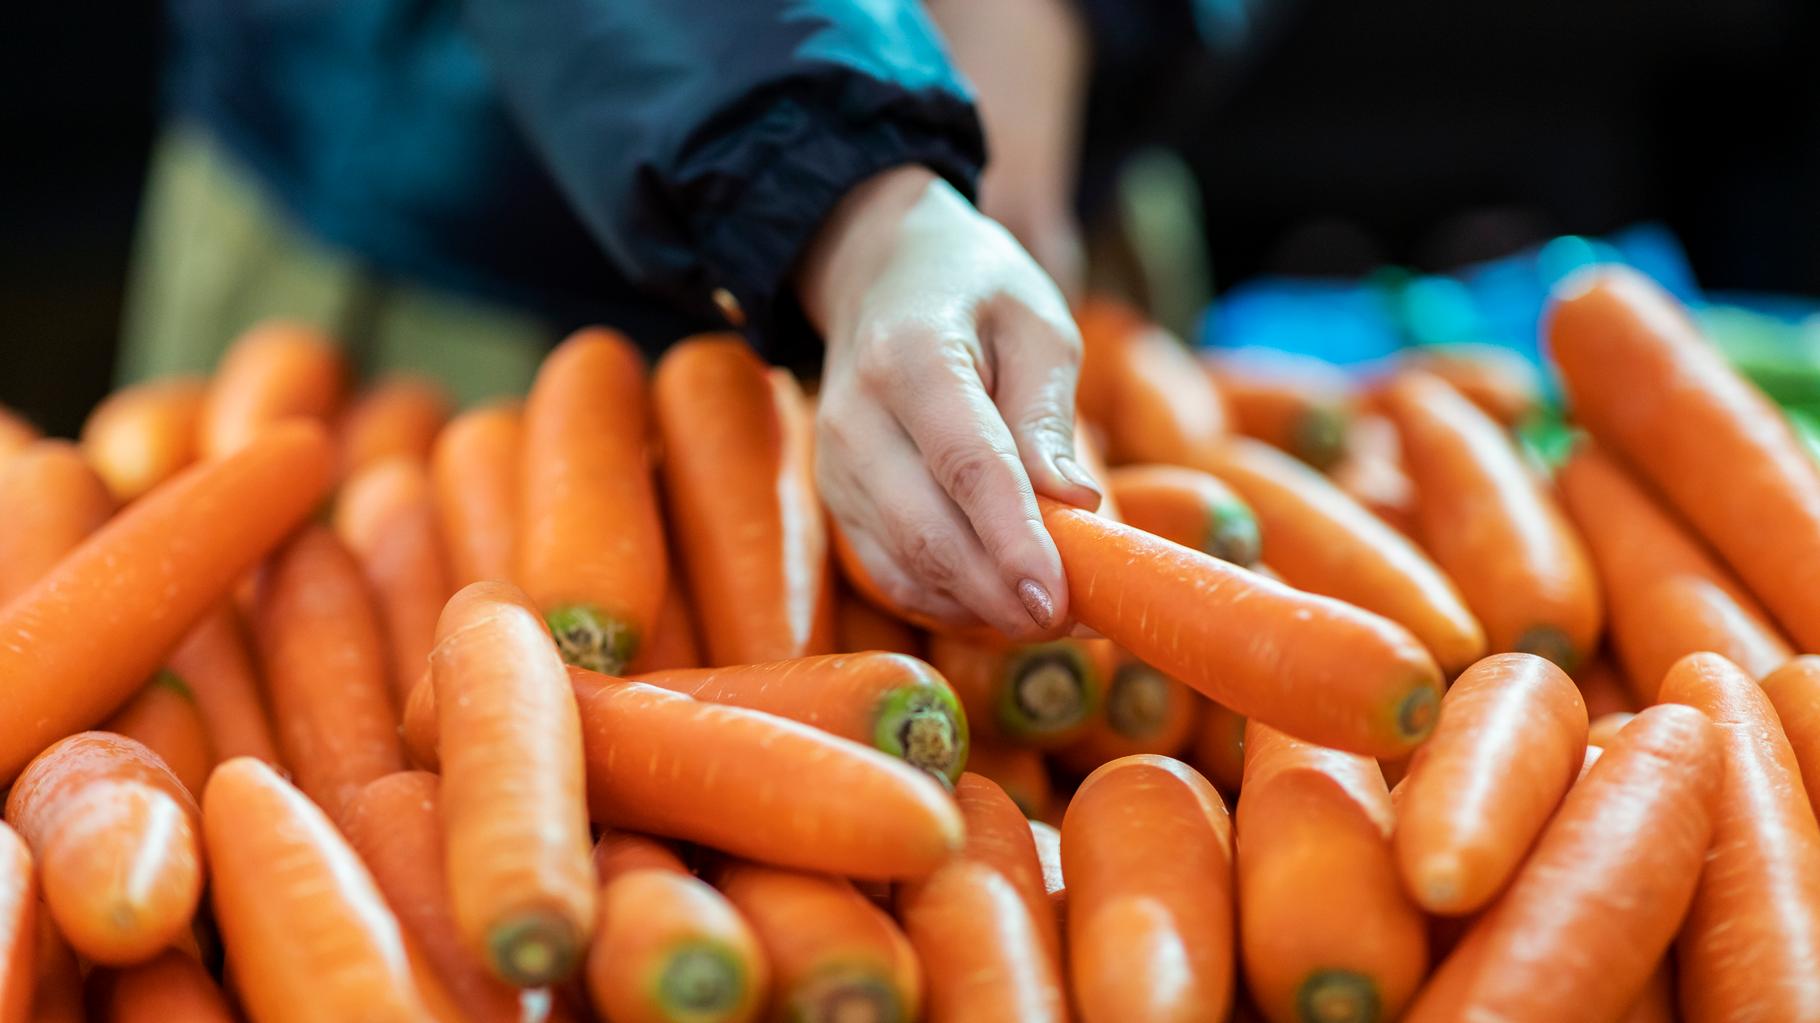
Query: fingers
(1038, 361)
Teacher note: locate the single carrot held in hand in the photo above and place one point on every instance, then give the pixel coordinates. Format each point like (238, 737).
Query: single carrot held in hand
(142, 435)
(590, 544)
(1040, 694)
(1328, 933)
(1189, 507)
(1510, 741)
(1589, 915)
(215, 665)
(397, 417)
(1295, 403)
(115, 837)
(1145, 711)
(386, 516)
(308, 935)
(1308, 664)
(165, 718)
(1323, 541)
(1751, 941)
(171, 987)
(1794, 690)
(18, 927)
(1019, 771)
(514, 811)
(275, 371)
(474, 468)
(1219, 747)
(50, 500)
(738, 474)
(102, 621)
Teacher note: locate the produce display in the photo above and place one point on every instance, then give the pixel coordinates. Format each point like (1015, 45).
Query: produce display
(331, 704)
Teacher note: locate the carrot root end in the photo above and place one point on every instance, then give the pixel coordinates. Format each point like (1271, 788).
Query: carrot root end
(1417, 713)
(1319, 436)
(847, 996)
(1549, 642)
(1137, 701)
(1337, 996)
(590, 638)
(534, 949)
(1050, 687)
(1232, 535)
(925, 727)
(700, 981)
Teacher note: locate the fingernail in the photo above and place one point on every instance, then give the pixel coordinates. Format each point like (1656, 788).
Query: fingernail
(1072, 471)
(1037, 602)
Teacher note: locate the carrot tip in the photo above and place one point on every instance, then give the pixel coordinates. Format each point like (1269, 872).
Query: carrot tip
(924, 726)
(1416, 714)
(1437, 883)
(700, 982)
(1319, 436)
(1232, 535)
(1137, 701)
(1550, 642)
(590, 638)
(1337, 996)
(1050, 689)
(534, 949)
(846, 996)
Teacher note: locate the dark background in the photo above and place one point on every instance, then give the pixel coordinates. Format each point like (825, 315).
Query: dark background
(1423, 132)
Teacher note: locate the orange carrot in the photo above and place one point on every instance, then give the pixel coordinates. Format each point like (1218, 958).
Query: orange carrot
(18, 927)
(750, 531)
(1104, 323)
(1049, 854)
(1372, 473)
(1219, 747)
(860, 625)
(833, 954)
(15, 433)
(1145, 711)
(1589, 915)
(1794, 690)
(419, 726)
(1604, 691)
(1657, 1002)
(1490, 525)
(1147, 851)
(621, 852)
(214, 664)
(274, 371)
(115, 837)
(675, 642)
(1604, 728)
(513, 808)
(1311, 665)
(1163, 409)
(387, 518)
(1665, 595)
(169, 988)
(1510, 741)
(1040, 694)
(1323, 541)
(1019, 770)
(397, 417)
(1326, 929)
(1295, 403)
(101, 622)
(1593, 753)
(1751, 941)
(325, 670)
(1189, 507)
(142, 435)
(1639, 376)
(1504, 384)
(590, 545)
(474, 468)
(58, 997)
(308, 936)
(50, 501)
(165, 718)
(999, 837)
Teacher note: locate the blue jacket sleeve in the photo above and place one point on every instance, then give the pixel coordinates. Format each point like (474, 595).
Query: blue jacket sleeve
(704, 141)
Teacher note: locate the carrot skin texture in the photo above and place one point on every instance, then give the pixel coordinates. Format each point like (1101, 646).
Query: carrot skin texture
(1619, 861)
(999, 838)
(1311, 665)
(1189, 507)
(140, 436)
(169, 988)
(387, 518)
(82, 639)
(669, 948)
(398, 417)
(977, 943)
(214, 663)
(50, 500)
(18, 927)
(1794, 690)
(474, 469)
(275, 371)
(165, 718)
(1511, 739)
(1751, 941)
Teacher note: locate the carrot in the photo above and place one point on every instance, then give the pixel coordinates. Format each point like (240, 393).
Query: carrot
(171, 987)
(474, 469)
(1327, 931)
(325, 670)
(1605, 727)
(1751, 942)
(1145, 711)
(675, 641)
(1219, 747)
(1657, 1002)
(1593, 753)
(1794, 690)
(894, 703)
(1049, 854)
(18, 927)
(513, 806)
(1105, 323)
(419, 726)
(1503, 384)
(1323, 541)
(58, 996)
(1019, 770)
(1666, 596)
(1312, 665)
(1372, 473)
(1589, 915)
(1489, 524)
(1189, 507)
(50, 501)
(982, 925)
(1639, 376)
(397, 417)
(395, 824)
(1147, 851)
(859, 625)
(749, 529)
(165, 718)
(115, 837)
(1510, 741)
(275, 371)
(103, 619)
(387, 518)
(1604, 691)
(15, 433)
(1163, 408)
(212, 661)
(1039, 694)
(142, 435)
(1294, 403)
(308, 936)
(590, 546)
(833, 954)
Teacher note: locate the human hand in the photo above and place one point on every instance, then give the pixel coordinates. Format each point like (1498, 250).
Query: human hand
(947, 403)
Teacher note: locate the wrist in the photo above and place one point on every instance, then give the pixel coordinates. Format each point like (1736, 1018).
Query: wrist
(854, 243)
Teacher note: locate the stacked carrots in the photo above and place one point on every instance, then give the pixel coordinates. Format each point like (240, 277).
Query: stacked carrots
(577, 710)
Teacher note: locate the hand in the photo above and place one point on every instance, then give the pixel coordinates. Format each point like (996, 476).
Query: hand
(947, 393)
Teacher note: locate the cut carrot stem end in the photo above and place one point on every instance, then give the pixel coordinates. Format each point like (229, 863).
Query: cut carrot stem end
(589, 638)
(535, 949)
(1319, 437)
(924, 726)
(1232, 535)
(1337, 996)
(1051, 689)
(701, 982)
(1137, 701)
(842, 996)
(1550, 642)
(1416, 716)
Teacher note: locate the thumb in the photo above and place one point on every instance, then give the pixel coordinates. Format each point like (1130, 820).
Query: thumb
(1036, 362)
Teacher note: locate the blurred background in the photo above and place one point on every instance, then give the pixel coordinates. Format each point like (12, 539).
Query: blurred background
(1339, 153)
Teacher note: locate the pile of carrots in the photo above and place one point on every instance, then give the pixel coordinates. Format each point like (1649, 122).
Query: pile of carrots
(331, 705)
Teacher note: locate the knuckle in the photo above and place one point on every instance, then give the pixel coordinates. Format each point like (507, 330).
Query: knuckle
(965, 471)
(929, 555)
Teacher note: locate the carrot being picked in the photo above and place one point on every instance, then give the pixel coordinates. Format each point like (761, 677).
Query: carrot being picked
(1510, 741)
(1145, 711)
(397, 417)
(142, 435)
(386, 515)
(1039, 694)
(50, 500)
(1310, 665)
(277, 370)
(164, 716)
(1323, 541)
(1589, 915)
(1189, 507)
(1751, 941)
(1295, 403)
(1794, 690)
(105, 617)
(749, 529)
(18, 927)
(1019, 771)
(1219, 747)
(1328, 933)
(590, 543)
(115, 836)
(514, 811)
(166, 989)
(474, 470)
